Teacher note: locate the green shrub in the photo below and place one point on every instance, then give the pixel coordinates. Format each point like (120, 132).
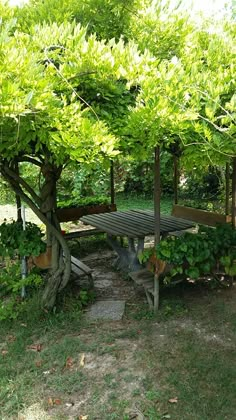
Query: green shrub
(198, 255)
(16, 241)
(11, 284)
(83, 201)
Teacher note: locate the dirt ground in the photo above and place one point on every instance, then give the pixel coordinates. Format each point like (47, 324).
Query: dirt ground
(178, 365)
(143, 366)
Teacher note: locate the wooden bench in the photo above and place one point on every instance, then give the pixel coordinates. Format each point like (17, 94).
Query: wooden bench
(80, 269)
(82, 233)
(201, 217)
(145, 278)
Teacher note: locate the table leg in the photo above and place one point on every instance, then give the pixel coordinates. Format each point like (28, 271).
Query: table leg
(127, 257)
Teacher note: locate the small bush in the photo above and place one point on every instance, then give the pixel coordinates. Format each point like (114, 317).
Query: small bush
(11, 284)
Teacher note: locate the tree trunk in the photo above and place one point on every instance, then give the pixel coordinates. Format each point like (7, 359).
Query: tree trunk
(18, 199)
(44, 206)
(234, 193)
(61, 267)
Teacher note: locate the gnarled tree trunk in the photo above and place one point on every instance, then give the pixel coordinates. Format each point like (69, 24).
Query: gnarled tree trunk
(44, 206)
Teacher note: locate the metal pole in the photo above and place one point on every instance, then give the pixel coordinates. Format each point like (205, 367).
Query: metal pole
(23, 261)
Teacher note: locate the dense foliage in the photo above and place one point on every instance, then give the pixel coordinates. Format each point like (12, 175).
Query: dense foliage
(14, 240)
(83, 86)
(11, 284)
(87, 201)
(208, 253)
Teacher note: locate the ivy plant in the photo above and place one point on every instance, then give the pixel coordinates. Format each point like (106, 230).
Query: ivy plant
(195, 255)
(83, 201)
(14, 240)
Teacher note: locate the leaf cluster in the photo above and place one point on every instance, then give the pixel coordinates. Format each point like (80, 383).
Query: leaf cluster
(11, 283)
(200, 254)
(14, 240)
(83, 201)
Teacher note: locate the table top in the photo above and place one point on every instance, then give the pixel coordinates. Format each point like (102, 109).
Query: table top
(135, 223)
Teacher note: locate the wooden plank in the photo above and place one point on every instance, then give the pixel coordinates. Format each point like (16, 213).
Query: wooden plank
(81, 265)
(82, 233)
(168, 223)
(199, 216)
(77, 271)
(73, 213)
(116, 225)
(134, 223)
(141, 276)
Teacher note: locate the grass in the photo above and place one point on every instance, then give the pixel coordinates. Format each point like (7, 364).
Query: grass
(132, 201)
(187, 353)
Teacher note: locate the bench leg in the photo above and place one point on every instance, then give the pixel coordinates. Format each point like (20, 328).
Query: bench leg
(91, 281)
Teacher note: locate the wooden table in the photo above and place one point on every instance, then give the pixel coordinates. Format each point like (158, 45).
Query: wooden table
(135, 225)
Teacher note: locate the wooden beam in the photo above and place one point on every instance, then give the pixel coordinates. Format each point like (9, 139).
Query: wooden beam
(157, 196)
(227, 189)
(234, 193)
(112, 182)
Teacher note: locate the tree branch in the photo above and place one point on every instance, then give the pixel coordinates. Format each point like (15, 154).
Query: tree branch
(16, 178)
(30, 160)
(67, 257)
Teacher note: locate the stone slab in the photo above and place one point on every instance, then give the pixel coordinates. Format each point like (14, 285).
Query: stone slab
(107, 310)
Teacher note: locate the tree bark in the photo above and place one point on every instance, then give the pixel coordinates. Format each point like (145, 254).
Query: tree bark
(234, 193)
(61, 258)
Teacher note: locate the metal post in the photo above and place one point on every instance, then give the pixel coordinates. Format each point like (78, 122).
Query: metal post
(23, 261)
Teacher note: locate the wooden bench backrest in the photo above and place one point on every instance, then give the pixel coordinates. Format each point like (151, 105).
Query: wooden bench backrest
(199, 216)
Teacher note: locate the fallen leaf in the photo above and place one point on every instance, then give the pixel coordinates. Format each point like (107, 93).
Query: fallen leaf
(38, 363)
(82, 360)
(57, 401)
(35, 347)
(69, 362)
(11, 338)
(173, 400)
(4, 352)
(50, 402)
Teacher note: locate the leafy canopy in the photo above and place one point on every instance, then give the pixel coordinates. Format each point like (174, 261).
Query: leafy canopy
(53, 81)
